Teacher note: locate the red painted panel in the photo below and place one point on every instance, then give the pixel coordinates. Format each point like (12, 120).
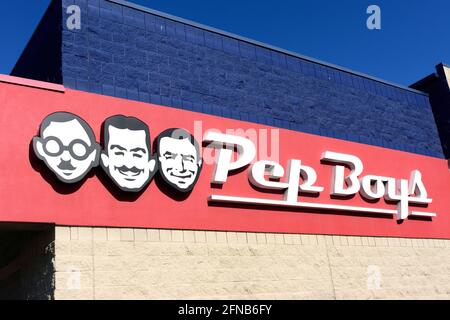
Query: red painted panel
(28, 192)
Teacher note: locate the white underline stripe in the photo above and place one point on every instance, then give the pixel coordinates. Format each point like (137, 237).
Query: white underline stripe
(309, 205)
(423, 214)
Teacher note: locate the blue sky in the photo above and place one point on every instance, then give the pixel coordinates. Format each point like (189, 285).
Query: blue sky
(415, 35)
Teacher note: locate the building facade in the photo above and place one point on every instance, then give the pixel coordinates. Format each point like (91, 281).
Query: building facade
(248, 211)
(437, 86)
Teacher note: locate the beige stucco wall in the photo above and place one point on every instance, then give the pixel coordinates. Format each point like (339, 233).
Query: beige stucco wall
(100, 263)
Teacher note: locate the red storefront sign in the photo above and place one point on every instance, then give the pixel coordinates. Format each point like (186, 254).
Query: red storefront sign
(389, 193)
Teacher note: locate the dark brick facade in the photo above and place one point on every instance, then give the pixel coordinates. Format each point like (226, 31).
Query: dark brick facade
(129, 53)
(437, 86)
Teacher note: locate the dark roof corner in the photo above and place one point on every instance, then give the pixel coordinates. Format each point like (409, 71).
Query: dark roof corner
(424, 82)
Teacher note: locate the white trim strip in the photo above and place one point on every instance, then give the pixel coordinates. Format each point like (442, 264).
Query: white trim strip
(32, 83)
(310, 205)
(422, 214)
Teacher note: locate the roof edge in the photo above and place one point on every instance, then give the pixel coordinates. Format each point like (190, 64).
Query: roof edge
(424, 81)
(260, 44)
(32, 83)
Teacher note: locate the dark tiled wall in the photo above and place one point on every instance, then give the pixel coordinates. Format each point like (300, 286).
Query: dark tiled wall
(440, 99)
(438, 88)
(127, 53)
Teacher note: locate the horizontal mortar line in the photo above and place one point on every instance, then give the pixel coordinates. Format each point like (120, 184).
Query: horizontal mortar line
(310, 205)
(259, 44)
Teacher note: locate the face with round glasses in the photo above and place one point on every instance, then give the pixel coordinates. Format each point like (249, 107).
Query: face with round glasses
(67, 146)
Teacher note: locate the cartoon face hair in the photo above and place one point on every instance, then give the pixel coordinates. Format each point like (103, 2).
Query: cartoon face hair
(124, 122)
(66, 117)
(176, 133)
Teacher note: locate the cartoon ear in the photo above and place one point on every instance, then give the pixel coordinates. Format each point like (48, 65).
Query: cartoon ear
(95, 155)
(152, 164)
(38, 147)
(104, 159)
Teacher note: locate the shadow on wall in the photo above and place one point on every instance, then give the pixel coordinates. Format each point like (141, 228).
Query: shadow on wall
(26, 262)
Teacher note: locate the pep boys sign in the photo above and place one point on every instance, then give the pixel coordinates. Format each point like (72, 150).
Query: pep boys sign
(67, 145)
(300, 178)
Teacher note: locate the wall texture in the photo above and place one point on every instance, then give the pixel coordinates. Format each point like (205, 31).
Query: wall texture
(437, 85)
(128, 53)
(101, 263)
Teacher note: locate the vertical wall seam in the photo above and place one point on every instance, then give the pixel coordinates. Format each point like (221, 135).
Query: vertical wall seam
(93, 264)
(331, 271)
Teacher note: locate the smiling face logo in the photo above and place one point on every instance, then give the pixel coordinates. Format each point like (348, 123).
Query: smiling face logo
(126, 156)
(66, 143)
(179, 159)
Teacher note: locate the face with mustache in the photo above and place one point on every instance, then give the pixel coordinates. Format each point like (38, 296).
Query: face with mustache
(126, 158)
(66, 144)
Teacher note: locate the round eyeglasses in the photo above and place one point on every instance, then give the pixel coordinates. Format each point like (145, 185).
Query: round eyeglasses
(78, 149)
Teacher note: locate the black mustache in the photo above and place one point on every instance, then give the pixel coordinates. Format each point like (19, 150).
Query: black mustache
(132, 170)
(66, 165)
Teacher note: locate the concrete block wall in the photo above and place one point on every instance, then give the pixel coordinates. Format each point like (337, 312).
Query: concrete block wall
(437, 85)
(125, 52)
(440, 102)
(115, 263)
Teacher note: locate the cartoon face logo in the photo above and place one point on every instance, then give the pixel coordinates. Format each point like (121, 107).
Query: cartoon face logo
(179, 159)
(66, 143)
(126, 156)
